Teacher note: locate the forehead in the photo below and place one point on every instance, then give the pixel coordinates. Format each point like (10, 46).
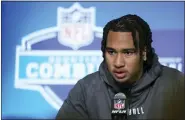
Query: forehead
(120, 40)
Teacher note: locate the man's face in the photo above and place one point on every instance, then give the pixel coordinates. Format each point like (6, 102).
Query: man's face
(123, 61)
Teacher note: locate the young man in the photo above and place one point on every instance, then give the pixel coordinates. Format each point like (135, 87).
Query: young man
(130, 66)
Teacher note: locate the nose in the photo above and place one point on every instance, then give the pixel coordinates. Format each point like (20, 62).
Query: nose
(119, 61)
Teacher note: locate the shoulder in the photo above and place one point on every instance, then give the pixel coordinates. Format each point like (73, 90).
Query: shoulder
(90, 79)
(171, 73)
(173, 88)
(82, 86)
(169, 94)
(171, 79)
(85, 87)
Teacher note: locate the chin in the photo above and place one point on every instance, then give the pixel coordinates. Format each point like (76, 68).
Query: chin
(123, 80)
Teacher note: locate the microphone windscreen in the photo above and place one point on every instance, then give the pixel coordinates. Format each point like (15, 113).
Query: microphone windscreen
(120, 96)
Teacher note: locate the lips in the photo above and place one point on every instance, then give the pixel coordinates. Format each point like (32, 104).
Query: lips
(120, 74)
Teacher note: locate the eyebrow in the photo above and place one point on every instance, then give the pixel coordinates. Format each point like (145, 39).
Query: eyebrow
(126, 49)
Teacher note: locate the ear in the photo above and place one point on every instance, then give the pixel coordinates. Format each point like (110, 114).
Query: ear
(144, 54)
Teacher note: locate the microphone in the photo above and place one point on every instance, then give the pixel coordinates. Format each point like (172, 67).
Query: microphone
(119, 107)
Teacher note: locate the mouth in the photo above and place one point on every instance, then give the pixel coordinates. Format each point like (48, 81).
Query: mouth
(120, 74)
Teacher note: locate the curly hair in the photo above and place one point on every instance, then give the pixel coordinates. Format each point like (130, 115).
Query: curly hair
(134, 24)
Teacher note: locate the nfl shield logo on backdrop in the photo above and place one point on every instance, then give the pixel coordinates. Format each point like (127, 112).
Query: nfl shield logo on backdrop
(76, 26)
(48, 66)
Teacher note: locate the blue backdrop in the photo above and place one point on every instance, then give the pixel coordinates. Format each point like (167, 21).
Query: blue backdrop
(48, 46)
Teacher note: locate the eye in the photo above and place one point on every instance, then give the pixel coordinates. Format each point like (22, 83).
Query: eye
(129, 53)
(111, 52)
